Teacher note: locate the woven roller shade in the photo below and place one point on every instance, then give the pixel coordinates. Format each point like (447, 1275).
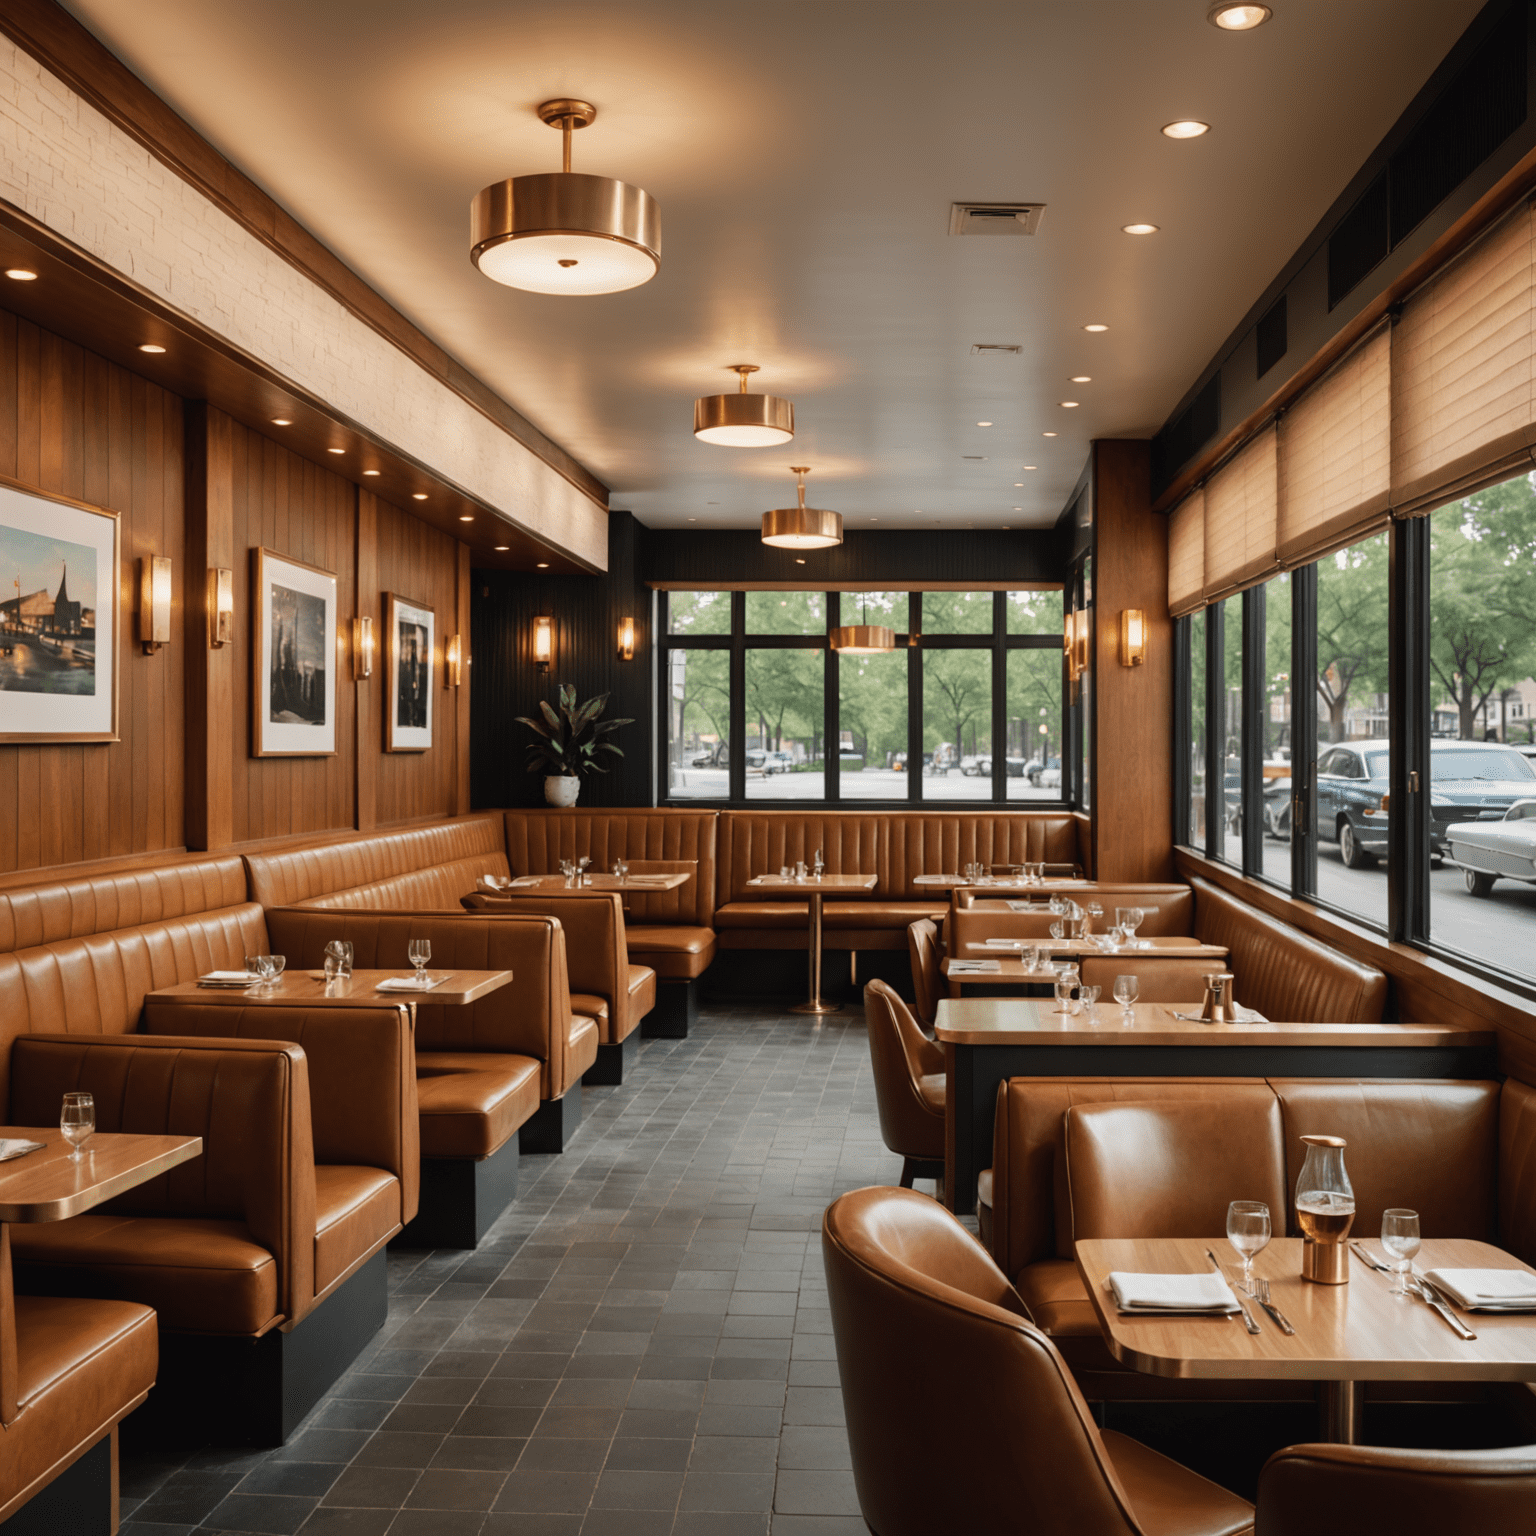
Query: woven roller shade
(1186, 554)
(1241, 518)
(1464, 359)
(1335, 455)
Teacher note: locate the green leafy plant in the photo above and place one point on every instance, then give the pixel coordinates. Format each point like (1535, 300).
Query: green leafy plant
(570, 738)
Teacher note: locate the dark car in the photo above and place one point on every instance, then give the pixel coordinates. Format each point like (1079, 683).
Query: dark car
(1468, 781)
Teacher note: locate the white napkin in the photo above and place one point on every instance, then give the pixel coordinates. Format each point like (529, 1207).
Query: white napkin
(527, 879)
(974, 967)
(1009, 943)
(227, 979)
(1205, 1292)
(408, 984)
(11, 1146)
(1489, 1290)
(1028, 906)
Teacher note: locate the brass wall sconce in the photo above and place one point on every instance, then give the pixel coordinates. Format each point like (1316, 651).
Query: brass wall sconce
(1133, 637)
(154, 602)
(626, 639)
(221, 607)
(453, 662)
(362, 648)
(1069, 644)
(543, 641)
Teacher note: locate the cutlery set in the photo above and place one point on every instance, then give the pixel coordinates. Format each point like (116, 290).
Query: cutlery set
(1260, 1294)
(1418, 1286)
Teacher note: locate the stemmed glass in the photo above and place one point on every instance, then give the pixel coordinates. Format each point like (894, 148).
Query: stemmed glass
(568, 869)
(1400, 1237)
(1133, 920)
(1066, 985)
(260, 969)
(338, 960)
(1058, 928)
(77, 1120)
(277, 964)
(418, 952)
(1094, 909)
(1125, 993)
(1248, 1232)
(1030, 955)
(1090, 997)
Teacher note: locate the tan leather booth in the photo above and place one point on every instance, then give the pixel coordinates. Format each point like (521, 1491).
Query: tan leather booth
(1168, 911)
(1162, 1157)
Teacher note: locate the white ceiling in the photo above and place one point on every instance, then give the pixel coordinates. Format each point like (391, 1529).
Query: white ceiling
(805, 154)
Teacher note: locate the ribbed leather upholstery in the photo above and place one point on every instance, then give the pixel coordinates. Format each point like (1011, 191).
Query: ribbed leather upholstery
(1517, 1169)
(421, 868)
(923, 953)
(939, 842)
(1289, 977)
(909, 1077)
(761, 842)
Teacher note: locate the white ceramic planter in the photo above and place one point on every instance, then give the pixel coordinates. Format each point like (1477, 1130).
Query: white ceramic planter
(562, 789)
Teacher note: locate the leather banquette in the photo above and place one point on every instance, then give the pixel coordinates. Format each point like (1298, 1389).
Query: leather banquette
(1162, 1157)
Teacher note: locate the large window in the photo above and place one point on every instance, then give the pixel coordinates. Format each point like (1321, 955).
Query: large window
(1273, 668)
(1199, 741)
(968, 706)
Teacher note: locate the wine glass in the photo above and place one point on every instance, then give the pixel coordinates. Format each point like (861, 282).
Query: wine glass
(1090, 997)
(338, 960)
(1058, 928)
(1066, 985)
(1030, 955)
(77, 1120)
(1400, 1237)
(278, 964)
(1248, 1232)
(1126, 988)
(1133, 920)
(418, 952)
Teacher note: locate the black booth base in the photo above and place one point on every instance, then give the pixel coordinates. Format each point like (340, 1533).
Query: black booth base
(743, 975)
(553, 1123)
(676, 1010)
(614, 1062)
(460, 1198)
(78, 1502)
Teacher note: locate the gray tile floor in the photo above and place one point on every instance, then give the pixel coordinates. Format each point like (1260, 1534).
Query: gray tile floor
(641, 1346)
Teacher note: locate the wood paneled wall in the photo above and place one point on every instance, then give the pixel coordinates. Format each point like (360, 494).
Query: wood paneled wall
(74, 424)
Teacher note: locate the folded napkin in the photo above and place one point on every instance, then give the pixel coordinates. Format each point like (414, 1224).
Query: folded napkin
(974, 967)
(408, 984)
(1489, 1290)
(1028, 906)
(1009, 943)
(11, 1146)
(1205, 1292)
(527, 880)
(228, 979)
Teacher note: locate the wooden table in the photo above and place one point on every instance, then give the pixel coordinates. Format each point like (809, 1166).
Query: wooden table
(1011, 971)
(1005, 883)
(594, 880)
(310, 989)
(813, 888)
(51, 1186)
(988, 1039)
(1345, 1334)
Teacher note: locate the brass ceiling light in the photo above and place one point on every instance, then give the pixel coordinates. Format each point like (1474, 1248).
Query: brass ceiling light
(864, 639)
(562, 232)
(802, 527)
(742, 420)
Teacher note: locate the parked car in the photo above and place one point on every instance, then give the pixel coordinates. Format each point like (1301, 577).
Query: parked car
(1468, 781)
(1277, 810)
(1014, 767)
(1504, 849)
(709, 757)
(975, 766)
(778, 762)
(1047, 775)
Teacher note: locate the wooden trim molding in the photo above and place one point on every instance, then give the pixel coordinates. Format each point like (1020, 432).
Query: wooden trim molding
(64, 46)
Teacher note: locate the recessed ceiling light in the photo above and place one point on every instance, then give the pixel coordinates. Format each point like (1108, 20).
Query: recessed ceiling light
(543, 565)
(1140, 229)
(1095, 328)
(335, 450)
(149, 346)
(421, 496)
(693, 519)
(466, 517)
(1029, 466)
(1237, 18)
(1018, 485)
(799, 561)
(281, 421)
(1048, 434)
(983, 423)
(20, 275)
(501, 549)
(1080, 378)
(1069, 405)
(1018, 509)
(370, 471)
(1185, 128)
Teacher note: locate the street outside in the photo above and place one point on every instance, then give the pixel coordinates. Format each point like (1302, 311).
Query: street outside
(868, 784)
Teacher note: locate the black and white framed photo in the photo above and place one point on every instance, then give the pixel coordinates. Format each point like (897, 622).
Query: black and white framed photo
(58, 619)
(408, 674)
(293, 659)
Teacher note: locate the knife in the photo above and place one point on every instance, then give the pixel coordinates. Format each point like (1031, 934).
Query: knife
(1366, 1259)
(1426, 1293)
(1248, 1321)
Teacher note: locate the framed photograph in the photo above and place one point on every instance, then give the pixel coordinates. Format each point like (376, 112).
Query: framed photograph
(293, 659)
(58, 619)
(408, 674)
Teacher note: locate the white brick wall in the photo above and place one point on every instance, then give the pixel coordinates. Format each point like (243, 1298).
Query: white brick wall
(72, 169)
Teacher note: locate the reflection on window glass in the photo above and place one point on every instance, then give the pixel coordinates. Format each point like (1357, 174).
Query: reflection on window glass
(957, 613)
(786, 613)
(887, 608)
(698, 724)
(1275, 668)
(872, 724)
(1197, 740)
(785, 743)
(957, 723)
(1231, 702)
(1034, 613)
(1034, 725)
(1353, 719)
(699, 613)
(1482, 753)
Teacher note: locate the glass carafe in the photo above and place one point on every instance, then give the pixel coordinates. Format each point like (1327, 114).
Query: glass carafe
(1325, 1211)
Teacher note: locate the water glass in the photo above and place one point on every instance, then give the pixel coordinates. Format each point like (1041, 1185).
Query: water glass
(1126, 988)
(783, 871)
(1066, 985)
(1133, 920)
(255, 967)
(278, 964)
(1030, 955)
(1400, 1238)
(800, 870)
(418, 952)
(1094, 909)
(1090, 997)
(339, 951)
(1058, 929)
(1058, 904)
(77, 1120)
(1248, 1232)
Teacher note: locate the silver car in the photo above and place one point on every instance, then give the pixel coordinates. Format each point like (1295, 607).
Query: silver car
(1500, 850)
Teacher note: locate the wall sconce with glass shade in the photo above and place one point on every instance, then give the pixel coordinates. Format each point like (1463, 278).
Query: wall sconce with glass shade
(221, 607)
(1069, 644)
(1082, 638)
(543, 641)
(154, 602)
(453, 661)
(362, 648)
(562, 232)
(626, 639)
(1133, 637)
(802, 527)
(742, 420)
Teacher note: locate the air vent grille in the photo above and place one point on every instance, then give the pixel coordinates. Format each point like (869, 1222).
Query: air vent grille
(996, 349)
(995, 219)
(1273, 342)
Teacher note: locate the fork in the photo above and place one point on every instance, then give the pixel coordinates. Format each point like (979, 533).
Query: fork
(1261, 1295)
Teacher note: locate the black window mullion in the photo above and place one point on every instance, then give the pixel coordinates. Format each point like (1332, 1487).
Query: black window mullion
(915, 700)
(999, 696)
(662, 755)
(1304, 732)
(1408, 849)
(1254, 694)
(1183, 704)
(1215, 730)
(832, 725)
(738, 711)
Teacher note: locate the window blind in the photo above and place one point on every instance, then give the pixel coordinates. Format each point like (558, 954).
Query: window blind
(1335, 455)
(1186, 554)
(1241, 518)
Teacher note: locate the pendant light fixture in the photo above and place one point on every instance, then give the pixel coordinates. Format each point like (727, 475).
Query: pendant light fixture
(864, 639)
(802, 527)
(563, 232)
(742, 420)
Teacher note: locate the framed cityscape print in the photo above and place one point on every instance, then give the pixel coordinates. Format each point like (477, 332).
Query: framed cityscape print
(58, 619)
(293, 686)
(408, 674)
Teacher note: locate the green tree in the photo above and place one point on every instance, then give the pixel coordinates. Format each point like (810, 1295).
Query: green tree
(957, 699)
(701, 699)
(784, 694)
(1351, 628)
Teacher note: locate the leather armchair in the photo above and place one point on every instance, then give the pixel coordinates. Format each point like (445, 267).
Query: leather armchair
(909, 1085)
(922, 1316)
(927, 981)
(1335, 1490)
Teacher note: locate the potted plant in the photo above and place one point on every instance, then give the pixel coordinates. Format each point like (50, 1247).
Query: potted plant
(569, 744)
